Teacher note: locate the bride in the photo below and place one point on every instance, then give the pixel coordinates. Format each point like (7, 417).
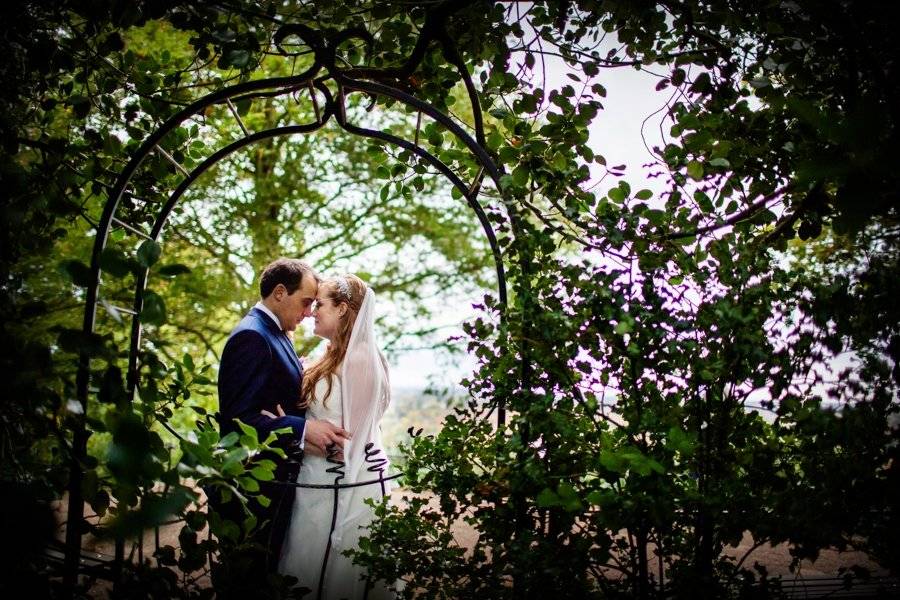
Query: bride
(348, 386)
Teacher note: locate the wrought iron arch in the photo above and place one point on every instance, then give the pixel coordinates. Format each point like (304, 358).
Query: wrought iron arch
(334, 106)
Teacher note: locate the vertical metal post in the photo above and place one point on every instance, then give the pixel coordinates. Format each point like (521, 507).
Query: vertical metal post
(315, 103)
(75, 513)
(237, 116)
(418, 128)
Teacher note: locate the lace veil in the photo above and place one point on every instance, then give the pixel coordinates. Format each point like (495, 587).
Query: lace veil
(365, 395)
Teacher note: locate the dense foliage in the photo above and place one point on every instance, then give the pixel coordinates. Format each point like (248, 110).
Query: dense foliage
(677, 370)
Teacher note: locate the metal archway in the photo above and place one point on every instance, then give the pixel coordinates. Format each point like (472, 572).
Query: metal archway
(312, 80)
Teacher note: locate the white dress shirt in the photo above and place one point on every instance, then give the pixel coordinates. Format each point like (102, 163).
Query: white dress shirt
(269, 312)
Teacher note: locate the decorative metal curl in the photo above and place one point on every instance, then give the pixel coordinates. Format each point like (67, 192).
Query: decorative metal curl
(324, 48)
(308, 36)
(377, 463)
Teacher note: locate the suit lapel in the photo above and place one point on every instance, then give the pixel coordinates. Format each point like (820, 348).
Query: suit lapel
(286, 344)
(283, 340)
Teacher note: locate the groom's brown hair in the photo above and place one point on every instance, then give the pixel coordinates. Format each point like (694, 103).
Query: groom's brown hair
(287, 271)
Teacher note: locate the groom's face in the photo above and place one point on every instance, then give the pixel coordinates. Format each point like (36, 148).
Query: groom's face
(295, 307)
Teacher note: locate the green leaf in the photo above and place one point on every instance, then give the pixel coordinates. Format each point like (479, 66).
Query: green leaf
(613, 461)
(569, 497)
(148, 253)
(248, 431)
(229, 440)
(233, 463)
(560, 162)
(78, 272)
(702, 84)
(249, 484)
(243, 106)
(238, 58)
(695, 170)
(435, 138)
(75, 340)
(547, 498)
(643, 195)
(265, 463)
(626, 325)
(703, 201)
(809, 229)
(262, 474)
(173, 269)
(617, 195)
(494, 140)
(81, 106)
(679, 441)
(655, 216)
(274, 435)
(223, 36)
(154, 310)
(520, 176)
(115, 263)
(597, 498)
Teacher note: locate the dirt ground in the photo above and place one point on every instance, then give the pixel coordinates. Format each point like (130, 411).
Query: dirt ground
(775, 558)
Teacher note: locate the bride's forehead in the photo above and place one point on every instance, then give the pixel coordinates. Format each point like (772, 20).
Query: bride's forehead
(326, 288)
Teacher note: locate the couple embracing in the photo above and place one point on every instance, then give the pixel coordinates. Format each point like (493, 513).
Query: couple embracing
(333, 408)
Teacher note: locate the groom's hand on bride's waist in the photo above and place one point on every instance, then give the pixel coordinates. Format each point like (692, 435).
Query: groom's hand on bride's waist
(319, 435)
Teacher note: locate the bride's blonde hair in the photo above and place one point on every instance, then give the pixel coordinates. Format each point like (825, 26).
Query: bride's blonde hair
(352, 295)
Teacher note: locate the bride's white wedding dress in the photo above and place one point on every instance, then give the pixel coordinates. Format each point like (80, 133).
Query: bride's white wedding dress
(306, 546)
(323, 524)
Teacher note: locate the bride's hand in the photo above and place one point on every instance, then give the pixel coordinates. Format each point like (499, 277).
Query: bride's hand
(278, 408)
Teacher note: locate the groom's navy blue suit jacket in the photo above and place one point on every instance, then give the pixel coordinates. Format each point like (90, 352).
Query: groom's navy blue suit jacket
(259, 370)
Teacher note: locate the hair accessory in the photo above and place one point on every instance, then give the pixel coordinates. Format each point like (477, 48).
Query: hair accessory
(343, 286)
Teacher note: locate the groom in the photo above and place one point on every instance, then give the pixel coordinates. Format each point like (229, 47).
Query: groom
(259, 372)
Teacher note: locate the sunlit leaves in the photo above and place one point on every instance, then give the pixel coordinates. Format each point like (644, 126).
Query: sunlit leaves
(695, 170)
(520, 176)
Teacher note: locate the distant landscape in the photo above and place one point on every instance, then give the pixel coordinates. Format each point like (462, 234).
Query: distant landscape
(416, 407)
